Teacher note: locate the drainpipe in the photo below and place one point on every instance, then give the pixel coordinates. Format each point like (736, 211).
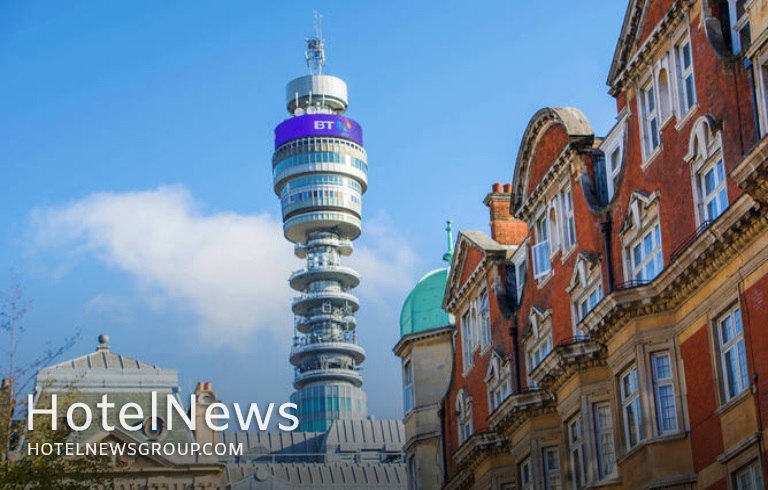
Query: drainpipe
(441, 414)
(607, 228)
(515, 353)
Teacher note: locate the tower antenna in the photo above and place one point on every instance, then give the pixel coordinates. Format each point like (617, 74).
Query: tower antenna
(315, 53)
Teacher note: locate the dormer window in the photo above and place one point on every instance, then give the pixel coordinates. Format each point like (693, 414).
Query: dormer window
(498, 380)
(538, 339)
(641, 234)
(644, 254)
(586, 287)
(708, 171)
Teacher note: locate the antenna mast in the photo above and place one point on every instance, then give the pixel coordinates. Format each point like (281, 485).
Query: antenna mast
(315, 53)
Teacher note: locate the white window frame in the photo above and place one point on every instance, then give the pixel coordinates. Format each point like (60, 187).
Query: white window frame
(650, 133)
(408, 399)
(631, 407)
(498, 380)
(738, 24)
(464, 417)
(613, 144)
(520, 260)
(539, 347)
(584, 302)
(749, 477)
(567, 219)
(762, 91)
(705, 156)
(662, 376)
(540, 252)
(605, 443)
(637, 270)
(718, 195)
(685, 77)
(732, 358)
(554, 225)
(525, 470)
(474, 325)
(466, 341)
(483, 311)
(576, 453)
(550, 463)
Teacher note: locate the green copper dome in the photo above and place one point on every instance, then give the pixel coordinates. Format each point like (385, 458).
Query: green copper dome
(423, 308)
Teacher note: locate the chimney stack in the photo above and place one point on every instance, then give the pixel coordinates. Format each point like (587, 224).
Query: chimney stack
(505, 228)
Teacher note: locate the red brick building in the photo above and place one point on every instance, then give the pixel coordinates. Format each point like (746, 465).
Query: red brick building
(627, 335)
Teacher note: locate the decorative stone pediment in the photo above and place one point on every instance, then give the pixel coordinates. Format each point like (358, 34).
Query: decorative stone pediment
(705, 138)
(536, 318)
(641, 204)
(583, 269)
(474, 252)
(499, 362)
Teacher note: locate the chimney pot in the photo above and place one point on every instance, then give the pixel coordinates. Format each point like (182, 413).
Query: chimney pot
(199, 386)
(497, 188)
(207, 386)
(507, 188)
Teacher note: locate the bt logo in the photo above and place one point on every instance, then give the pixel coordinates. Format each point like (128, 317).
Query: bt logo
(323, 124)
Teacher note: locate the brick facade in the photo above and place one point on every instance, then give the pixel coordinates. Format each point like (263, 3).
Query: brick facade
(628, 321)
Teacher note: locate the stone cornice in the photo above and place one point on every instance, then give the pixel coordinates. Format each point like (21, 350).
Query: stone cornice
(463, 480)
(751, 174)
(518, 408)
(567, 359)
(409, 339)
(478, 448)
(720, 243)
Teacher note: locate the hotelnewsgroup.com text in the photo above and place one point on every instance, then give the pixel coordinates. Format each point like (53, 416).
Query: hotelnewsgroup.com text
(113, 449)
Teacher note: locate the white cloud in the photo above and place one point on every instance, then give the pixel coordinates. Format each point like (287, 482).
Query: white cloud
(230, 270)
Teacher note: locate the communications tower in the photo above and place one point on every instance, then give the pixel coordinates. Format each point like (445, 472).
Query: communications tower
(320, 174)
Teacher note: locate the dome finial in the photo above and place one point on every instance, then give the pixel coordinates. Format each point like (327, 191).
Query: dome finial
(448, 256)
(103, 342)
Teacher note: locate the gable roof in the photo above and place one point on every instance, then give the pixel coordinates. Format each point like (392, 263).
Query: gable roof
(628, 38)
(467, 240)
(579, 132)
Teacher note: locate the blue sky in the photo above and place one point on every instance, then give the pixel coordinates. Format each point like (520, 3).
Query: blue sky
(136, 148)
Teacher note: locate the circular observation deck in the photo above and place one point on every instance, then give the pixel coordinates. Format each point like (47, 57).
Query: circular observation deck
(299, 352)
(305, 303)
(343, 246)
(345, 225)
(307, 324)
(347, 277)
